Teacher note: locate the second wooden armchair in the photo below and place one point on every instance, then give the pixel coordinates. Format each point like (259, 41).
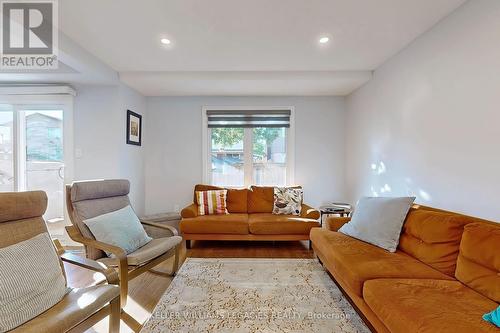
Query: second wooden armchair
(88, 199)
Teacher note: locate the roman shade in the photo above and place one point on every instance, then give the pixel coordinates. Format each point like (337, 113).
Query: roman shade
(248, 118)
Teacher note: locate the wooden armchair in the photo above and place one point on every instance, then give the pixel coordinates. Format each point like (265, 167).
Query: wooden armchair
(87, 199)
(21, 219)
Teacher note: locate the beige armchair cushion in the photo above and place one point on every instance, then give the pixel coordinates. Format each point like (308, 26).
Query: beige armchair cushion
(20, 207)
(31, 280)
(74, 308)
(151, 250)
(96, 189)
(93, 198)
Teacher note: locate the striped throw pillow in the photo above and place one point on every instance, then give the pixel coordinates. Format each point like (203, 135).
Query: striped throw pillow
(31, 280)
(212, 202)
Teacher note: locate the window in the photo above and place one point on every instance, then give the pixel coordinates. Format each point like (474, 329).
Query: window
(248, 147)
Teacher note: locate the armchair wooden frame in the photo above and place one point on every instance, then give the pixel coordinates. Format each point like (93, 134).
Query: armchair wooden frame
(112, 309)
(125, 272)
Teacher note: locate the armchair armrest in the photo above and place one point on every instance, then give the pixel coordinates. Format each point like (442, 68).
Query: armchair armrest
(309, 212)
(169, 229)
(334, 223)
(190, 211)
(75, 235)
(110, 274)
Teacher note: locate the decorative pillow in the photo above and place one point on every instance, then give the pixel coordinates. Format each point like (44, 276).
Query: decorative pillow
(379, 221)
(31, 280)
(493, 317)
(121, 228)
(211, 202)
(287, 200)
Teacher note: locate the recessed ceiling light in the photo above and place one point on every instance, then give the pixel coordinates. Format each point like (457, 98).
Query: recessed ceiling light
(324, 40)
(165, 41)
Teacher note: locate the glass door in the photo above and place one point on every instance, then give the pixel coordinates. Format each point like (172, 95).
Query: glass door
(32, 156)
(43, 160)
(7, 177)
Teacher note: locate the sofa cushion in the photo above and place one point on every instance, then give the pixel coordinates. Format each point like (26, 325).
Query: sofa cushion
(216, 224)
(428, 305)
(271, 224)
(478, 264)
(433, 238)
(260, 199)
(356, 261)
(236, 200)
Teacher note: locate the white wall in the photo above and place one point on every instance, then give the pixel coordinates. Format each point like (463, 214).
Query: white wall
(99, 132)
(431, 115)
(173, 159)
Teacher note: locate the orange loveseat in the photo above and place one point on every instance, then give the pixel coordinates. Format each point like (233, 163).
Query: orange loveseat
(443, 277)
(250, 218)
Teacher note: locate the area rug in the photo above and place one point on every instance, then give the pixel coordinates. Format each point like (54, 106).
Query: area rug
(253, 295)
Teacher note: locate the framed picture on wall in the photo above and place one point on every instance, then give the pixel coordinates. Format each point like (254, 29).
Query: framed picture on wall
(134, 128)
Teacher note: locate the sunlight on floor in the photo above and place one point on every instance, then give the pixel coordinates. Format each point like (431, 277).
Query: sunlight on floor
(133, 309)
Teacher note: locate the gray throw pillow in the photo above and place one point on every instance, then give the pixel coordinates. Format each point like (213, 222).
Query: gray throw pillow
(121, 228)
(31, 280)
(379, 221)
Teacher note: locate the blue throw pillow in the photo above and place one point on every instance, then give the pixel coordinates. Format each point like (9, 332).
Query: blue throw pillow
(121, 228)
(493, 317)
(379, 221)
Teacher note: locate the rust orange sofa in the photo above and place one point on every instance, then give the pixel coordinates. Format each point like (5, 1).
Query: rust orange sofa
(444, 276)
(250, 218)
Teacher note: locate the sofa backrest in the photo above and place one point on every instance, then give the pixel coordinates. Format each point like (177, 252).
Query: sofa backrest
(257, 199)
(236, 200)
(433, 237)
(478, 264)
(260, 199)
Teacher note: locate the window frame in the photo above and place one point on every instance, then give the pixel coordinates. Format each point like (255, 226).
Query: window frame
(23, 99)
(248, 144)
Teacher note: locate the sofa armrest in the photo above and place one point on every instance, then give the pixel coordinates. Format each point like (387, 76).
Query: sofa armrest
(309, 212)
(190, 211)
(333, 223)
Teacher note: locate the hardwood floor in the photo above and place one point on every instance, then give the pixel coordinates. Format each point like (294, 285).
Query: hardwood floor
(146, 290)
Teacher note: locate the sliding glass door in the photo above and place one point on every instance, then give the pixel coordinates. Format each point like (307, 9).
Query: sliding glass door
(33, 153)
(42, 166)
(7, 180)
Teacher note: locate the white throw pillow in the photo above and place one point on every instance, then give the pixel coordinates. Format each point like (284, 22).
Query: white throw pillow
(121, 228)
(31, 280)
(379, 221)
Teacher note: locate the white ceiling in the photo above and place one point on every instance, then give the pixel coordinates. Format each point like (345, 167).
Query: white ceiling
(260, 43)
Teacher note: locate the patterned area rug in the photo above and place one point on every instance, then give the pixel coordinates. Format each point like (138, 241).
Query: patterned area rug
(253, 295)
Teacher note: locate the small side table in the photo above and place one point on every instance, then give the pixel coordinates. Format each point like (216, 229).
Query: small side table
(343, 212)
